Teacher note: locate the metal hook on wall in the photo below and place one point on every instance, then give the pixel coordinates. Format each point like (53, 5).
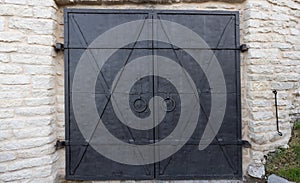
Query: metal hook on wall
(277, 122)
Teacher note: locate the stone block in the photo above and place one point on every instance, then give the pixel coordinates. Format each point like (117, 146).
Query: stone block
(44, 171)
(25, 143)
(258, 138)
(39, 101)
(292, 39)
(7, 156)
(256, 14)
(29, 122)
(11, 37)
(33, 111)
(295, 31)
(33, 132)
(15, 10)
(8, 47)
(31, 162)
(39, 69)
(5, 134)
(43, 92)
(43, 82)
(6, 113)
(256, 171)
(31, 59)
(261, 69)
(16, 175)
(36, 49)
(3, 168)
(44, 12)
(14, 79)
(288, 77)
(291, 55)
(276, 179)
(15, 1)
(263, 53)
(256, 154)
(4, 57)
(10, 69)
(42, 3)
(258, 130)
(282, 85)
(282, 46)
(259, 85)
(36, 152)
(14, 94)
(2, 23)
(37, 26)
(41, 40)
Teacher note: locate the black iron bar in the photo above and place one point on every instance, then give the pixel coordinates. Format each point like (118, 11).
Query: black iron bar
(276, 107)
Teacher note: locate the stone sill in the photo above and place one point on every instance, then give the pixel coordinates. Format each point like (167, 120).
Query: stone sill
(100, 2)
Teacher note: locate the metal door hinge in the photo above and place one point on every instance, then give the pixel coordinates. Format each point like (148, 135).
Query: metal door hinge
(244, 48)
(246, 144)
(60, 144)
(59, 47)
(243, 143)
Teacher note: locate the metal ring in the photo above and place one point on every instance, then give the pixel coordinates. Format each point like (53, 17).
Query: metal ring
(173, 104)
(142, 109)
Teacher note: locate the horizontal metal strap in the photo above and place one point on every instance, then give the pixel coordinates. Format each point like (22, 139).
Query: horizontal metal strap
(220, 142)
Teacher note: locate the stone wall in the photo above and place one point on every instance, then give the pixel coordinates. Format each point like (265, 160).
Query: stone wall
(271, 29)
(27, 91)
(32, 88)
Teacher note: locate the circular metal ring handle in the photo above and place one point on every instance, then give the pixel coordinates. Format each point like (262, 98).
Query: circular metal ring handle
(173, 104)
(140, 110)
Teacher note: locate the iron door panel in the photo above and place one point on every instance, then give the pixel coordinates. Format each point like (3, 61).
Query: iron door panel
(83, 161)
(95, 167)
(87, 25)
(222, 158)
(193, 167)
(227, 161)
(216, 28)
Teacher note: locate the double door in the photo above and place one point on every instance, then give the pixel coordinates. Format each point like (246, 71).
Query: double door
(152, 94)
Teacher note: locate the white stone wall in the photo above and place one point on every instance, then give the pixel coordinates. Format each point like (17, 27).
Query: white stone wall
(27, 91)
(271, 29)
(32, 80)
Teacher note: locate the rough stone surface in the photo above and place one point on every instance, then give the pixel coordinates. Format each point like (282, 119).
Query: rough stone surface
(27, 120)
(256, 171)
(269, 66)
(276, 179)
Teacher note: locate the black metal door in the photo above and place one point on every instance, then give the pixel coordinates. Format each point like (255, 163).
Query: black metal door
(142, 76)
